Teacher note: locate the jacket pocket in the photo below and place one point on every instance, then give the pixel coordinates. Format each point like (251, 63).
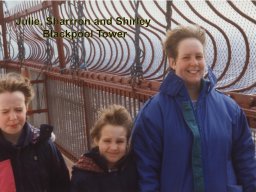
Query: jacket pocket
(231, 180)
(235, 188)
(231, 176)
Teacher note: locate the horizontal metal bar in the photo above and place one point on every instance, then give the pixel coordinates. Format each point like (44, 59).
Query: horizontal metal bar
(31, 10)
(31, 112)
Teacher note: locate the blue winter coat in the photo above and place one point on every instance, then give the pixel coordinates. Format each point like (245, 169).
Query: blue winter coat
(162, 142)
(35, 163)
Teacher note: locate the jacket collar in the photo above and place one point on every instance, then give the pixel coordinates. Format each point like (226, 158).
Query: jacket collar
(174, 85)
(28, 135)
(93, 161)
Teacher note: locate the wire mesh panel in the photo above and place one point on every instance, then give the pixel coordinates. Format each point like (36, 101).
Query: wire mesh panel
(2, 72)
(254, 137)
(73, 108)
(38, 103)
(67, 114)
(98, 97)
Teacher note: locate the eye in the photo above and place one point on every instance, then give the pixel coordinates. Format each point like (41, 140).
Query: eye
(19, 109)
(4, 112)
(107, 141)
(199, 57)
(120, 141)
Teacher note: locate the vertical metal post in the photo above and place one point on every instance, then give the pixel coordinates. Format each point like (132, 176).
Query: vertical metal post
(3, 24)
(59, 40)
(25, 73)
(46, 79)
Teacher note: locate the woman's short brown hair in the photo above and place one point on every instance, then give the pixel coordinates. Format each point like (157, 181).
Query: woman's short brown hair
(175, 36)
(12, 82)
(113, 115)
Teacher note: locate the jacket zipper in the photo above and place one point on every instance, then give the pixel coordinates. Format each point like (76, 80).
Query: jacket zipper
(19, 169)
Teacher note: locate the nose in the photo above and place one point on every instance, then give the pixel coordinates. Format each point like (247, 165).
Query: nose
(194, 61)
(13, 116)
(113, 146)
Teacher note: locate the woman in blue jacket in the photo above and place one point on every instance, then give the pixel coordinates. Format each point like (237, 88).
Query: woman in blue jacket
(190, 137)
(29, 161)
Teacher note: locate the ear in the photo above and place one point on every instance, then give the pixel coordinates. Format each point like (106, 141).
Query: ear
(26, 107)
(172, 63)
(95, 141)
(128, 147)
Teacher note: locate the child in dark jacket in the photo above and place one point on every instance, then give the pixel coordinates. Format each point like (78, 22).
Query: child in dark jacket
(29, 161)
(109, 166)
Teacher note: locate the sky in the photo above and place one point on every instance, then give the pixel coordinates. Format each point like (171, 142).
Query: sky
(11, 4)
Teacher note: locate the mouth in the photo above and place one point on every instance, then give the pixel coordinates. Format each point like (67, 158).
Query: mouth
(193, 71)
(113, 154)
(13, 126)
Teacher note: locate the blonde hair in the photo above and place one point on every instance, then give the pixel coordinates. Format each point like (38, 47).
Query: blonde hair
(175, 36)
(113, 115)
(12, 82)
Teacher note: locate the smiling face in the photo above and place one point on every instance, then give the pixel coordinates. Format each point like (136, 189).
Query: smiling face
(12, 112)
(190, 62)
(112, 143)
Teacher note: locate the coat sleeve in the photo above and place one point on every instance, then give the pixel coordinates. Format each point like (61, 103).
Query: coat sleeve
(243, 154)
(147, 146)
(60, 180)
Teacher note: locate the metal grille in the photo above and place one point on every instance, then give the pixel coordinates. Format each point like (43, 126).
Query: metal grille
(73, 109)
(230, 27)
(67, 114)
(39, 101)
(254, 138)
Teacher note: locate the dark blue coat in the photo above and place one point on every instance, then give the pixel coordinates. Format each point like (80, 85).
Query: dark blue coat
(90, 174)
(162, 142)
(36, 163)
